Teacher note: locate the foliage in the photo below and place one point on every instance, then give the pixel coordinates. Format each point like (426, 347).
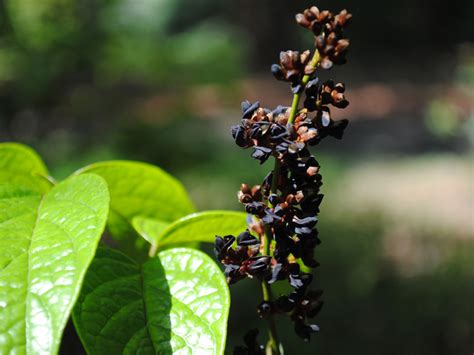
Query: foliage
(197, 227)
(139, 189)
(175, 301)
(45, 42)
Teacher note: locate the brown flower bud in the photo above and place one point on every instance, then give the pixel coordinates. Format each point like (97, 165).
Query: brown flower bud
(299, 196)
(245, 188)
(307, 134)
(312, 170)
(302, 130)
(343, 18)
(313, 19)
(292, 65)
(289, 62)
(290, 199)
(331, 49)
(256, 193)
(244, 198)
(338, 23)
(312, 13)
(302, 115)
(282, 118)
(333, 94)
(342, 45)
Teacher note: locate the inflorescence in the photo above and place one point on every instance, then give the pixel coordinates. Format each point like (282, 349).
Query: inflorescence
(282, 236)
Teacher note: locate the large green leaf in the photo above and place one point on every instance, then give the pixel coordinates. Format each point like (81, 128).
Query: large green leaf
(46, 245)
(196, 227)
(177, 302)
(21, 159)
(140, 189)
(20, 166)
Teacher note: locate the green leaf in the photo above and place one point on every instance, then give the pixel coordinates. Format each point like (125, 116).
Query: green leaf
(20, 158)
(46, 245)
(140, 189)
(177, 302)
(20, 166)
(196, 227)
(149, 228)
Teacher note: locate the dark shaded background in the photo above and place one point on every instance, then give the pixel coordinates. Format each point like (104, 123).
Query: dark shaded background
(162, 80)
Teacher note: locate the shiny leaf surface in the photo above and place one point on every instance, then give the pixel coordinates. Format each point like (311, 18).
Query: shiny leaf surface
(140, 189)
(176, 303)
(21, 167)
(20, 158)
(196, 227)
(150, 229)
(46, 245)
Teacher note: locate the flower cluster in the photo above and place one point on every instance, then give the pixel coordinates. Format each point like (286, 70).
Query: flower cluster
(328, 29)
(287, 213)
(293, 66)
(268, 132)
(280, 241)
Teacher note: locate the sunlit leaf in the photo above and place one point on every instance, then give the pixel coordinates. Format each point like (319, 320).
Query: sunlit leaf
(196, 227)
(176, 303)
(139, 189)
(21, 167)
(21, 159)
(46, 245)
(149, 228)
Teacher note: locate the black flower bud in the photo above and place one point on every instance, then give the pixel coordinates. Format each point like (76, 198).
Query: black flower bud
(245, 238)
(304, 331)
(264, 309)
(248, 109)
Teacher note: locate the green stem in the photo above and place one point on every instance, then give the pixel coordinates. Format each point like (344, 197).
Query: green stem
(276, 172)
(153, 250)
(273, 342)
(296, 97)
(273, 346)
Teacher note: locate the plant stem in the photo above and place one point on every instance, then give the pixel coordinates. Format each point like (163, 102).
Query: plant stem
(267, 296)
(273, 342)
(296, 97)
(276, 172)
(273, 346)
(153, 250)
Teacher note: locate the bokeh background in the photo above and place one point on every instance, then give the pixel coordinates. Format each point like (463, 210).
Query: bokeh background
(161, 81)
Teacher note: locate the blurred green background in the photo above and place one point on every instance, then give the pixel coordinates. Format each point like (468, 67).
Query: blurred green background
(161, 81)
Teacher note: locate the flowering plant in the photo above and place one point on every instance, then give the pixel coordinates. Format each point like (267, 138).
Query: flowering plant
(281, 238)
(147, 289)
